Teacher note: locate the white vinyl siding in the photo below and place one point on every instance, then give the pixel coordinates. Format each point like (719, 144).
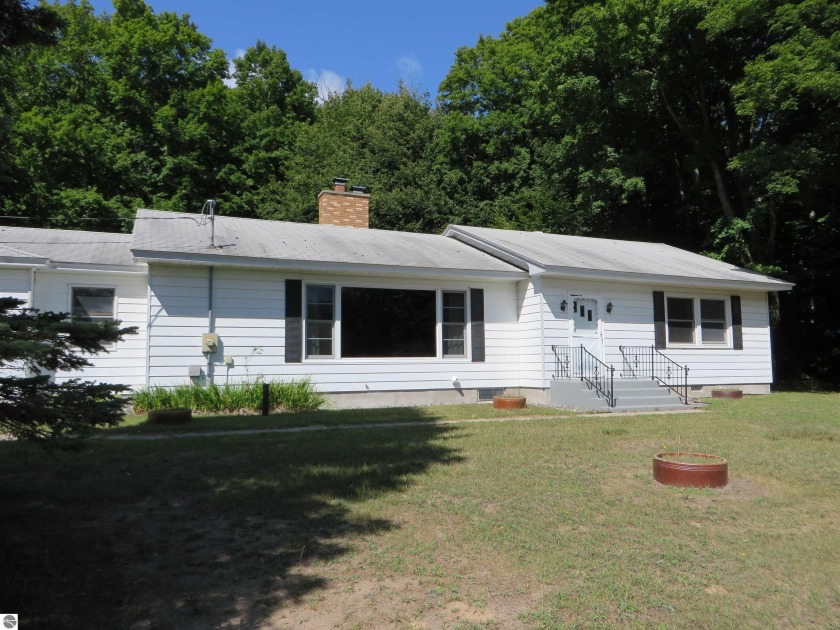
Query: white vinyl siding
(249, 307)
(631, 324)
(125, 363)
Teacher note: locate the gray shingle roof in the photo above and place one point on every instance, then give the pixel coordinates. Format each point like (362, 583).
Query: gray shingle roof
(562, 254)
(177, 236)
(66, 246)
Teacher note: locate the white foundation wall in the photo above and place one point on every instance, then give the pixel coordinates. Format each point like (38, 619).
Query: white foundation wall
(125, 364)
(248, 314)
(631, 324)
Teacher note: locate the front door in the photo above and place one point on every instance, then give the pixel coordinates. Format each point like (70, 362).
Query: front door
(586, 330)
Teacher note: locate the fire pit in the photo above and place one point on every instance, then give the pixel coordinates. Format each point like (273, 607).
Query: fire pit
(508, 402)
(690, 470)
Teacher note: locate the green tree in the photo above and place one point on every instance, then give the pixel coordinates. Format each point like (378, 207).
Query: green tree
(269, 105)
(381, 140)
(20, 25)
(127, 109)
(709, 125)
(31, 406)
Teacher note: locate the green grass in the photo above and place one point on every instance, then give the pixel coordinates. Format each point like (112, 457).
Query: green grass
(135, 424)
(553, 523)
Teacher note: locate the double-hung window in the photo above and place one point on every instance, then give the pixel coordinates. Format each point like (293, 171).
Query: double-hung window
(713, 321)
(680, 320)
(454, 323)
(320, 320)
(696, 321)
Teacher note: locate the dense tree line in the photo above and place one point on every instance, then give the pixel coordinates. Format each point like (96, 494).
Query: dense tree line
(709, 124)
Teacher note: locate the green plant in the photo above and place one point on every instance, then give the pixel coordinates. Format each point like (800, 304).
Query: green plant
(292, 395)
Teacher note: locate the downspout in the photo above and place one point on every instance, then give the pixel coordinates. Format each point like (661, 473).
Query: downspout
(148, 329)
(211, 366)
(31, 300)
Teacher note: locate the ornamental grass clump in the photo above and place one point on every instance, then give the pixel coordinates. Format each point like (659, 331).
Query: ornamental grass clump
(293, 395)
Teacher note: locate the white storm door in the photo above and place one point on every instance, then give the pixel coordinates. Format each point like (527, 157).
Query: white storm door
(586, 328)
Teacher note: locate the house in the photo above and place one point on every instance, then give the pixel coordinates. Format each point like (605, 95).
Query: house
(381, 318)
(88, 274)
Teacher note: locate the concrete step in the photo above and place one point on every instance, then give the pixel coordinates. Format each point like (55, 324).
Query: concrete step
(631, 395)
(642, 383)
(664, 407)
(646, 401)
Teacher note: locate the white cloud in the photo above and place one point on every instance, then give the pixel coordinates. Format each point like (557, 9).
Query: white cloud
(410, 68)
(231, 82)
(327, 82)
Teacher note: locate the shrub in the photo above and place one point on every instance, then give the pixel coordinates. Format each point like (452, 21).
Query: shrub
(293, 395)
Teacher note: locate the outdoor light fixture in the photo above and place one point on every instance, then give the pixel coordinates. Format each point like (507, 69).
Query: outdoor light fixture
(609, 307)
(563, 305)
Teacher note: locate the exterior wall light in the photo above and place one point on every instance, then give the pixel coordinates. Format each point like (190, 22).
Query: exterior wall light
(563, 305)
(609, 307)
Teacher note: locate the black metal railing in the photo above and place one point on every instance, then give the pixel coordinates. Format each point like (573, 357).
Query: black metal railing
(648, 362)
(572, 362)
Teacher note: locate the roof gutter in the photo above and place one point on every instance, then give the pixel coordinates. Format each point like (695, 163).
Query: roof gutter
(149, 256)
(667, 280)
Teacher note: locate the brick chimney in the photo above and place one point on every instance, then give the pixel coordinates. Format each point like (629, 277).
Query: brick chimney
(340, 207)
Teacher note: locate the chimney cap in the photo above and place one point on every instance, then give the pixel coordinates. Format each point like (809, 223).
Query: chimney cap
(359, 189)
(341, 181)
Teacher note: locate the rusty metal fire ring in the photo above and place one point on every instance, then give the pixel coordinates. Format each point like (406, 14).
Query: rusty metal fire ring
(668, 470)
(727, 393)
(508, 402)
(170, 416)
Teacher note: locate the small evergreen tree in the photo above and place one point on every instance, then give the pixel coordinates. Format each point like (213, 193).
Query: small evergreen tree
(33, 343)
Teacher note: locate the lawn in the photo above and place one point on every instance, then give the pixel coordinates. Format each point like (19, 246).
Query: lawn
(135, 424)
(550, 523)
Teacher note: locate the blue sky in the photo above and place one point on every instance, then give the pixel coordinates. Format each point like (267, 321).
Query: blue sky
(380, 41)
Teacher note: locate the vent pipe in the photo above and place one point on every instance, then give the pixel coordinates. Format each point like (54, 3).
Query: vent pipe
(210, 208)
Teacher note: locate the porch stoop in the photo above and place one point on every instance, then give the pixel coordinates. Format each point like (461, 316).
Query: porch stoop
(630, 395)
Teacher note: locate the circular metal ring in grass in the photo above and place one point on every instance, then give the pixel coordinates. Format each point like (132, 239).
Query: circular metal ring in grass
(690, 470)
(508, 402)
(170, 416)
(727, 393)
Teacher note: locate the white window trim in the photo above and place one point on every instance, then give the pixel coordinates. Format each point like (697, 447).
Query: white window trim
(698, 331)
(337, 332)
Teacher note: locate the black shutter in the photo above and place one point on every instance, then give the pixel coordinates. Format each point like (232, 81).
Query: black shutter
(737, 329)
(477, 323)
(294, 321)
(659, 332)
